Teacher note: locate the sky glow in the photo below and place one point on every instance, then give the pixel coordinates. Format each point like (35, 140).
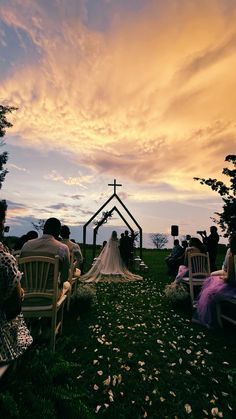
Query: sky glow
(138, 91)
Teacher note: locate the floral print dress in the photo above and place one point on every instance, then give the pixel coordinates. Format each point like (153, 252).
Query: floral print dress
(15, 337)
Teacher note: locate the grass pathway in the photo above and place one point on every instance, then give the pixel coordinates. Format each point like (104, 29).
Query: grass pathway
(132, 356)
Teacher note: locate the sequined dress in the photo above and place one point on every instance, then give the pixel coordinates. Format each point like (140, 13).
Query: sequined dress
(15, 337)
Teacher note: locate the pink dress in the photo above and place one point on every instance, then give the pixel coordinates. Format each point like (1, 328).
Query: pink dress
(214, 290)
(183, 270)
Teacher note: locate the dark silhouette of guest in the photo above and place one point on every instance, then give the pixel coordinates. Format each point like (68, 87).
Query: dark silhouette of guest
(175, 259)
(126, 248)
(211, 243)
(184, 244)
(73, 247)
(122, 247)
(23, 239)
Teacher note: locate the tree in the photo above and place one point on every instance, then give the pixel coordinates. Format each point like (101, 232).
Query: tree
(4, 123)
(159, 240)
(38, 225)
(227, 218)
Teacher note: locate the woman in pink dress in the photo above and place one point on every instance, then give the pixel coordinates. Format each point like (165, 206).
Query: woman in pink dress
(195, 246)
(215, 289)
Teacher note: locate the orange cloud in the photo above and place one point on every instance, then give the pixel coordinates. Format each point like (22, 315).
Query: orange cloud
(150, 99)
(80, 180)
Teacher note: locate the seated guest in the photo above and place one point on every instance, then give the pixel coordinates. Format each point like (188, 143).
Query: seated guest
(175, 258)
(224, 268)
(215, 289)
(184, 244)
(195, 246)
(23, 239)
(15, 337)
(49, 245)
(211, 243)
(72, 246)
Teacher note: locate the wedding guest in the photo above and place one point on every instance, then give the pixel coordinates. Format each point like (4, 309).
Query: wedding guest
(23, 239)
(215, 289)
(47, 245)
(15, 337)
(122, 247)
(184, 244)
(126, 248)
(72, 246)
(195, 246)
(211, 243)
(175, 258)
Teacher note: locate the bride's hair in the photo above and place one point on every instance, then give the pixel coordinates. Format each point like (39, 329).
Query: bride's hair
(114, 235)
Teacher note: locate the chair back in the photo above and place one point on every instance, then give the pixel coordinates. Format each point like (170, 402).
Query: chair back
(199, 265)
(74, 274)
(73, 263)
(40, 279)
(42, 298)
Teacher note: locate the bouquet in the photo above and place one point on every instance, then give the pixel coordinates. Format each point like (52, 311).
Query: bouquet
(84, 298)
(86, 292)
(176, 292)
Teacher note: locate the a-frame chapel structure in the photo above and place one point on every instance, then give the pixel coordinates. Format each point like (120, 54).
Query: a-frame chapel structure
(107, 215)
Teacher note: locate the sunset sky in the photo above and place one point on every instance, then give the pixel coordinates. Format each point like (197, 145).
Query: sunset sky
(142, 91)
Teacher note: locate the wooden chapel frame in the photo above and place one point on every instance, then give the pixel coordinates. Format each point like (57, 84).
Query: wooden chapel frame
(114, 195)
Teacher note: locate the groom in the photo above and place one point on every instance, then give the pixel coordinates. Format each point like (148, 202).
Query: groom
(125, 247)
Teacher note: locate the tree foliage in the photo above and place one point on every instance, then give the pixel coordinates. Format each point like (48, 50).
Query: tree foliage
(38, 225)
(227, 218)
(159, 240)
(4, 123)
(106, 215)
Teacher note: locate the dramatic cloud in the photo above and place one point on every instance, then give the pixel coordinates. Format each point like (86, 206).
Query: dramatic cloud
(141, 91)
(81, 180)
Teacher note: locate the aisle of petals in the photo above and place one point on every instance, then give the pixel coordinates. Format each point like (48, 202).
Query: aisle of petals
(141, 357)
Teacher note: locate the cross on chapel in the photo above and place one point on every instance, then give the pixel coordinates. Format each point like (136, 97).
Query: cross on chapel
(115, 185)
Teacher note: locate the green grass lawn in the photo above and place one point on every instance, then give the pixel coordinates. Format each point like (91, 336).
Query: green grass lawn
(132, 355)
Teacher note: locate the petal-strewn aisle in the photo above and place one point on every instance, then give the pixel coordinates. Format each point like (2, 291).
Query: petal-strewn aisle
(140, 357)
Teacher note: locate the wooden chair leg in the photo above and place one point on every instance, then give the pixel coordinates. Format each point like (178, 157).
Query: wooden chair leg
(61, 319)
(68, 299)
(191, 293)
(53, 334)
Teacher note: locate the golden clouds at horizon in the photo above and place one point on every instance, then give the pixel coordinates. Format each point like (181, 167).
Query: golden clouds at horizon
(151, 99)
(81, 180)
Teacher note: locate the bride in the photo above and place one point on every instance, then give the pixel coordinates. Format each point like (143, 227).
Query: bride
(109, 266)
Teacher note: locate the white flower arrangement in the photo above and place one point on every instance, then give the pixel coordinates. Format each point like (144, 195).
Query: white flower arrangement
(86, 292)
(176, 292)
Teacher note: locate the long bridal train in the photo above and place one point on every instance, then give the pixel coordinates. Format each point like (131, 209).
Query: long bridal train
(109, 266)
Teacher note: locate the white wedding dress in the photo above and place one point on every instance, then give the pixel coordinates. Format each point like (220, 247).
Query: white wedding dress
(109, 266)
